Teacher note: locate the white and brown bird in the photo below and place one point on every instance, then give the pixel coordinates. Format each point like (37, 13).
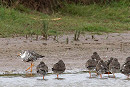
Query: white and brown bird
(114, 66)
(59, 67)
(91, 65)
(125, 69)
(101, 68)
(42, 69)
(30, 56)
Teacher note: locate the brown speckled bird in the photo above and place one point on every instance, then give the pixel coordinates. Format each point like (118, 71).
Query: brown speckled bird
(108, 63)
(127, 59)
(96, 56)
(125, 69)
(101, 68)
(91, 65)
(42, 69)
(114, 66)
(59, 67)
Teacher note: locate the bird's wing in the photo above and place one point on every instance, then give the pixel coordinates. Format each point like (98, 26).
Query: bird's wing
(38, 66)
(46, 68)
(34, 54)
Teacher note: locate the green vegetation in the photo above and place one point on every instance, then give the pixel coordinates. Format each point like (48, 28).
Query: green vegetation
(91, 18)
(44, 30)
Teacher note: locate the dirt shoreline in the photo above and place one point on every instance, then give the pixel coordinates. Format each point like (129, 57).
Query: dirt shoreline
(75, 54)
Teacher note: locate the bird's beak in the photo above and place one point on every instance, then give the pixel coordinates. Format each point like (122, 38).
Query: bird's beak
(18, 54)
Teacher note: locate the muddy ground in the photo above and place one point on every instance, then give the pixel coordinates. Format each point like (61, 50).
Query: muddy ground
(74, 54)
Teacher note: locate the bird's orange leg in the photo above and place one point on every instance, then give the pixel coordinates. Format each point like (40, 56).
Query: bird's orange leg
(43, 77)
(113, 75)
(108, 74)
(32, 64)
(101, 75)
(90, 73)
(28, 68)
(31, 68)
(57, 76)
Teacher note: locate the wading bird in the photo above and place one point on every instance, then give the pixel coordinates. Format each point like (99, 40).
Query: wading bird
(59, 67)
(108, 63)
(125, 69)
(91, 65)
(30, 56)
(42, 69)
(101, 68)
(114, 66)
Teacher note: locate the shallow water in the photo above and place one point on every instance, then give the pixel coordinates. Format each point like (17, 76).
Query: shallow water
(66, 80)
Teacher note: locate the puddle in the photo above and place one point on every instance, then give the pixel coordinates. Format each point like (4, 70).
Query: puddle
(80, 79)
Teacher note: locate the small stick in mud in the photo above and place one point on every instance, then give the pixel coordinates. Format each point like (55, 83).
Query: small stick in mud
(121, 47)
(67, 40)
